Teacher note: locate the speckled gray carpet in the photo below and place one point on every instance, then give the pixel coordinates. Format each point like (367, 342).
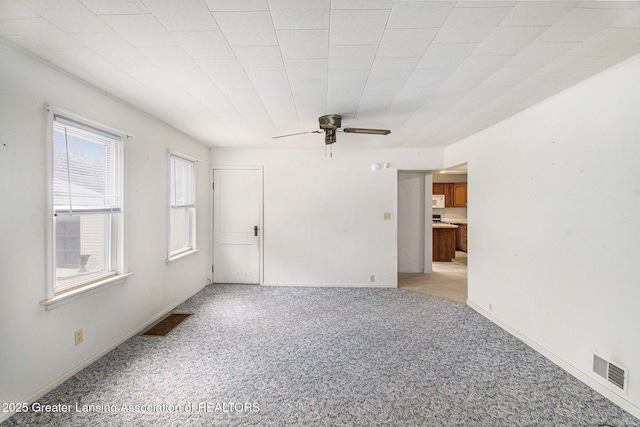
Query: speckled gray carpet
(262, 356)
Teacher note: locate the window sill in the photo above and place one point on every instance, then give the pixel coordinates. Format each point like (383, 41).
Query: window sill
(181, 255)
(75, 294)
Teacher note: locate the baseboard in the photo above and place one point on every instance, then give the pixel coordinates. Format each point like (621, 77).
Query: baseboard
(71, 372)
(578, 374)
(331, 285)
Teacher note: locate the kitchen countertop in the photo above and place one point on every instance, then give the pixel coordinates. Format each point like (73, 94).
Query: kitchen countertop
(455, 220)
(443, 225)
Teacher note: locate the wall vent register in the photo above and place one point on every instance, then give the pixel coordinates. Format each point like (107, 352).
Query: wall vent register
(608, 370)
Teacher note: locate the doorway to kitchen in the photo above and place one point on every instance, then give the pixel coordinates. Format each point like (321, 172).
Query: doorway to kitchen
(417, 271)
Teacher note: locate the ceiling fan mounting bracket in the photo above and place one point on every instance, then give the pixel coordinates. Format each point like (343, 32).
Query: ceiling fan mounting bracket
(330, 121)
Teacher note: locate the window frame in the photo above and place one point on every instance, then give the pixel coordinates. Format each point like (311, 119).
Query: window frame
(59, 295)
(191, 208)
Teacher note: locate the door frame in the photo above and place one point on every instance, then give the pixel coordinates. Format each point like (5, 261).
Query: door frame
(260, 216)
(427, 212)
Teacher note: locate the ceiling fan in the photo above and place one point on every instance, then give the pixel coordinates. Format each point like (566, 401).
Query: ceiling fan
(330, 123)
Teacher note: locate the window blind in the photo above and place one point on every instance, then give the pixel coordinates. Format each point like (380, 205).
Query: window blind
(182, 205)
(181, 183)
(86, 169)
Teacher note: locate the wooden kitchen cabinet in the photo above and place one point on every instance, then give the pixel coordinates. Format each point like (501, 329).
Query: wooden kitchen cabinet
(459, 195)
(444, 241)
(461, 238)
(445, 188)
(455, 193)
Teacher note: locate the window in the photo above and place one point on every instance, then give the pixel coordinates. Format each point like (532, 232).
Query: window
(182, 211)
(87, 183)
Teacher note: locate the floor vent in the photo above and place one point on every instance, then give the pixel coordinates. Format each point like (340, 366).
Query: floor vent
(166, 325)
(613, 373)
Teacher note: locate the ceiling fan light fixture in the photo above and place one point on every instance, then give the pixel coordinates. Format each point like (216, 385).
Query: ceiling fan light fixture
(367, 131)
(330, 136)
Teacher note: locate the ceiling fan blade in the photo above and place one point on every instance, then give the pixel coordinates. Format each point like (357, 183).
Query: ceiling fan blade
(293, 134)
(367, 131)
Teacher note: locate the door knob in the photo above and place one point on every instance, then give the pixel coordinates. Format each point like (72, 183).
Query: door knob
(255, 230)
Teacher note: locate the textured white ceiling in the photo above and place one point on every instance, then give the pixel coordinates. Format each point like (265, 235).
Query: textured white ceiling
(235, 73)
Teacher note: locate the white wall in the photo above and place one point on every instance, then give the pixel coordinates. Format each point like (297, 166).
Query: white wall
(323, 217)
(411, 222)
(37, 346)
(555, 237)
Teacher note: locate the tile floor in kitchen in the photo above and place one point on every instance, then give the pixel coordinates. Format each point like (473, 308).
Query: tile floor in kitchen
(448, 280)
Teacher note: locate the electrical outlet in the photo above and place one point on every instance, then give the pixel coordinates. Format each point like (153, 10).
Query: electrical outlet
(490, 307)
(372, 278)
(78, 336)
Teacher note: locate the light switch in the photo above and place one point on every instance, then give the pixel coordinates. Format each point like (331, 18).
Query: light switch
(387, 216)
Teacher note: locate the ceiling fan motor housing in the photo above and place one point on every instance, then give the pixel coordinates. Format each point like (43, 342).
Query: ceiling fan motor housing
(330, 121)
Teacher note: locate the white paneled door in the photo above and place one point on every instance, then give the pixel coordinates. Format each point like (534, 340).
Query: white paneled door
(237, 225)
